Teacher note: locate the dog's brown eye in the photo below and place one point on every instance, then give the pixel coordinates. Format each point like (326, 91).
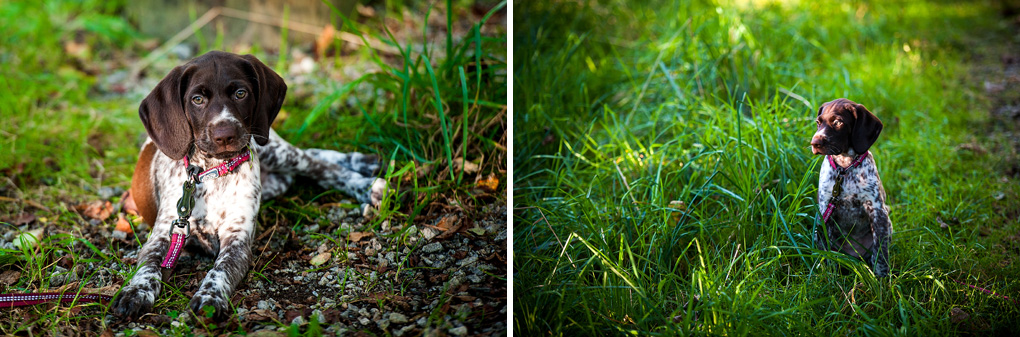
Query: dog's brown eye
(198, 100)
(838, 124)
(241, 93)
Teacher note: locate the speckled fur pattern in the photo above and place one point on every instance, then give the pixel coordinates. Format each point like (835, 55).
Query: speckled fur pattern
(231, 101)
(222, 224)
(353, 173)
(859, 225)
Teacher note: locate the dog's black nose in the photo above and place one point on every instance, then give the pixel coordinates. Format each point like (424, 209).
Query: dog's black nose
(224, 134)
(816, 141)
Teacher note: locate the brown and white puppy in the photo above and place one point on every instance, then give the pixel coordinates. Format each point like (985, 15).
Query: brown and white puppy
(211, 109)
(859, 224)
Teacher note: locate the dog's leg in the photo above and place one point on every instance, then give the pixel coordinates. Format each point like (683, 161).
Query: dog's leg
(137, 297)
(234, 225)
(279, 156)
(274, 184)
(364, 164)
(881, 228)
(231, 266)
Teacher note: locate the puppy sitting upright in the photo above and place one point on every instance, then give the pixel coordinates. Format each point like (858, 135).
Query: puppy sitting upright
(210, 159)
(850, 194)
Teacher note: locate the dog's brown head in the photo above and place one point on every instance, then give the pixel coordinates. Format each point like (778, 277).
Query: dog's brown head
(217, 101)
(844, 125)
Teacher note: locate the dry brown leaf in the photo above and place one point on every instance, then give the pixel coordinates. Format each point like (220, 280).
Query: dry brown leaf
(99, 210)
(261, 315)
(123, 224)
(357, 236)
(957, 315)
(446, 224)
(324, 40)
(468, 167)
(679, 207)
(9, 277)
(489, 184)
(21, 219)
(321, 258)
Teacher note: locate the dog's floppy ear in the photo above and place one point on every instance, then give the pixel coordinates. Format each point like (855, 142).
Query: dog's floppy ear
(163, 113)
(866, 129)
(271, 91)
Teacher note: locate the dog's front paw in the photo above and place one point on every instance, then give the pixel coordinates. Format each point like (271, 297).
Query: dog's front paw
(134, 301)
(207, 300)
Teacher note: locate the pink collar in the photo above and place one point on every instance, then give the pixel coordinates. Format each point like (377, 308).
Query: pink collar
(218, 171)
(857, 161)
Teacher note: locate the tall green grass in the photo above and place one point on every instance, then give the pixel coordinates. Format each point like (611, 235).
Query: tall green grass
(664, 182)
(61, 140)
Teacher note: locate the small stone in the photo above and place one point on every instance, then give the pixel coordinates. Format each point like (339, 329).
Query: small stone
(370, 251)
(383, 324)
(422, 321)
(364, 320)
(264, 305)
(474, 278)
(458, 331)
(432, 247)
(299, 321)
(468, 261)
(398, 318)
(428, 233)
(313, 228)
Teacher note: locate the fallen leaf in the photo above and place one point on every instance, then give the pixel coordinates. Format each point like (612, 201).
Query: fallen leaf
(678, 208)
(941, 223)
(446, 223)
(321, 258)
(261, 315)
(489, 184)
(460, 164)
(29, 239)
(146, 333)
(357, 236)
(479, 231)
(123, 225)
(99, 210)
(957, 315)
(449, 225)
(325, 39)
(107, 333)
(9, 277)
(21, 219)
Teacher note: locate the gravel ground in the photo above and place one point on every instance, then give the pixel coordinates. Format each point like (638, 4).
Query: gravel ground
(445, 275)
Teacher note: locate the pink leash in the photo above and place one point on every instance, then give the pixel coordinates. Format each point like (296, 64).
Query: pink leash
(837, 188)
(20, 300)
(177, 241)
(187, 202)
